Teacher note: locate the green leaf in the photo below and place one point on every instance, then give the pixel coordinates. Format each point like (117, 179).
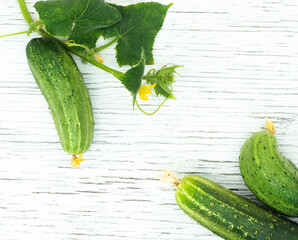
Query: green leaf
(132, 79)
(139, 25)
(164, 78)
(83, 20)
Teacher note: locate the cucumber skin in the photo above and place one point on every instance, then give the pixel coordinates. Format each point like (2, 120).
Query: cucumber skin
(230, 215)
(62, 85)
(271, 177)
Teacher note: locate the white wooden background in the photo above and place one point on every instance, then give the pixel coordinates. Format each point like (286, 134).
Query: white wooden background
(241, 65)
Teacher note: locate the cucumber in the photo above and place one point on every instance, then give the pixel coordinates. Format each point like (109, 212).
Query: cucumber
(62, 85)
(230, 215)
(268, 174)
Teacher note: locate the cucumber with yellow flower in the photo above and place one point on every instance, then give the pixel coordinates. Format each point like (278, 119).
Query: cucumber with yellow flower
(271, 177)
(74, 26)
(226, 213)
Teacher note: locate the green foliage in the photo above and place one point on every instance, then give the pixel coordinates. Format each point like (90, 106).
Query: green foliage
(134, 28)
(139, 25)
(164, 78)
(81, 20)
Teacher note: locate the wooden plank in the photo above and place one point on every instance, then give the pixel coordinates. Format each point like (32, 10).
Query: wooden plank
(240, 66)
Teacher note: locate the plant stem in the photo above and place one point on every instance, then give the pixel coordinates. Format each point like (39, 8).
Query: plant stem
(98, 49)
(13, 34)
(84, 56)
(25, 12)
(35, 24)
(94, 62)
(148, 77)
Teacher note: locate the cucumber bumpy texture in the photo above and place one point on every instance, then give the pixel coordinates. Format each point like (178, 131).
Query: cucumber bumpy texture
(230, 215)
(268, 174)
(62, 85)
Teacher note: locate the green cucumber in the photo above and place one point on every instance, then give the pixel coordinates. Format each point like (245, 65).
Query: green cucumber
(62, 85)
(268, 174)
(230, 215)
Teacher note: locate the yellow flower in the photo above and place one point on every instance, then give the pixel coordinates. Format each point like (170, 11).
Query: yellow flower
(270, 126)
(99, 58)
(167, 177)
(145, 90)
(76, 161)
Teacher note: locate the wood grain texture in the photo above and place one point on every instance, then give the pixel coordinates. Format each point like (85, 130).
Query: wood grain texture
(241, 61)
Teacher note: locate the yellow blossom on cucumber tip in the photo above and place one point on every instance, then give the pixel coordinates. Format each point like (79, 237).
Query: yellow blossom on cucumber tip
(76, 161)
(167, 177)
(270, 126)
(144, 90)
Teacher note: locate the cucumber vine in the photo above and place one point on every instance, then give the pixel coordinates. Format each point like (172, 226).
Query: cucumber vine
(79, 23)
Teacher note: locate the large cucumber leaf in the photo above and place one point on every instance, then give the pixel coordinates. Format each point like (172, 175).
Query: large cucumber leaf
(137, 29)
(81, 19)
